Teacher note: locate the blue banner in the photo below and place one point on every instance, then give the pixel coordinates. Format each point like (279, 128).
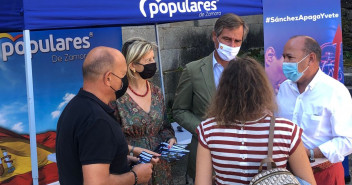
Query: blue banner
(57, 58)
(319, 19)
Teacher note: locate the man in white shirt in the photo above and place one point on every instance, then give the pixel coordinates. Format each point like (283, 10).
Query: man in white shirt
(320, 105)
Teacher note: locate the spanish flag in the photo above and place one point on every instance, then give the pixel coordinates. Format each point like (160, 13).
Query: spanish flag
(15, 160)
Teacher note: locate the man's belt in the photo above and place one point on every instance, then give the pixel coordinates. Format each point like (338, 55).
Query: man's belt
(322, 166)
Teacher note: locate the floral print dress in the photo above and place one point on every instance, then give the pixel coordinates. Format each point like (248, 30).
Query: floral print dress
(147, 129)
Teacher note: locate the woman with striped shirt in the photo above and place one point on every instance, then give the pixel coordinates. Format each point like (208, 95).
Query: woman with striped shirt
(234, 139)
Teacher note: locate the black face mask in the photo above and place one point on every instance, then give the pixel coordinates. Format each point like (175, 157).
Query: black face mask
(123, 89)
(149, 70)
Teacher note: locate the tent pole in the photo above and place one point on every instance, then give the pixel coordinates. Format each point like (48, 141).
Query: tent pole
(30, 102)
(159, 63)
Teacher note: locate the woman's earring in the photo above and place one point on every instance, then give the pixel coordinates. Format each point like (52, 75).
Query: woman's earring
(134, 70)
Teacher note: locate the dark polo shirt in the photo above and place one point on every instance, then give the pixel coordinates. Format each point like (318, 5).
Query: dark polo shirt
(88, 133)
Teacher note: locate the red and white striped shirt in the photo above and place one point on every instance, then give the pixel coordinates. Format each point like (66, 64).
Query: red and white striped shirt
(237, 150)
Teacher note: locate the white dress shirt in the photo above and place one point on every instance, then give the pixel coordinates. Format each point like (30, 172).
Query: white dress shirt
(217, 69)
(323, 111)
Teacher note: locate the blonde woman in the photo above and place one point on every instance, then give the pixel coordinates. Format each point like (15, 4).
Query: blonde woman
(141, 110)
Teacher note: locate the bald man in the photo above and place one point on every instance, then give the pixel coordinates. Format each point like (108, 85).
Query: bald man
(320, 105)
(90, 145)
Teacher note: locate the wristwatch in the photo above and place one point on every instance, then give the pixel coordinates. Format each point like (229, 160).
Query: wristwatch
(311, 158)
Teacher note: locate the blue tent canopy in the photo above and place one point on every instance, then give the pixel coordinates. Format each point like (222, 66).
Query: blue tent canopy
(26, 15)
(11, 15)
(18, 15)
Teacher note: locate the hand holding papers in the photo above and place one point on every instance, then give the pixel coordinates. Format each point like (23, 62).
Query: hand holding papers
(175, 153)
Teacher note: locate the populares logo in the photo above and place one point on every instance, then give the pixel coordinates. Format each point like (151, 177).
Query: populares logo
(43, 45)
(171, 8)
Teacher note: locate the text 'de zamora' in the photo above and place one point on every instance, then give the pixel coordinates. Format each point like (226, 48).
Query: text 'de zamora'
(67, 57)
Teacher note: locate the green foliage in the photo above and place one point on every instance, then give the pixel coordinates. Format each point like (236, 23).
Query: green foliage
(169, 115)
(347, 56)
(256, 53)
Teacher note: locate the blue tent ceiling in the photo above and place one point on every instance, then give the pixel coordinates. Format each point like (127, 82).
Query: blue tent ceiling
(17, 15)
(11, 15)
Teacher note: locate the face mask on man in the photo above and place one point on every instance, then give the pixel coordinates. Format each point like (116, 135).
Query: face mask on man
(123, 89)
(227, 53)
(148, 71)
(290, 70)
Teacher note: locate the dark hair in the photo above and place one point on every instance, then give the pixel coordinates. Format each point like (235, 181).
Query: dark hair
(244, 93)
(310, 46)
(230, 21)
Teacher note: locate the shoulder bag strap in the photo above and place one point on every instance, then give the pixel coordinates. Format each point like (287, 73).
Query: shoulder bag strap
(271, 139)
